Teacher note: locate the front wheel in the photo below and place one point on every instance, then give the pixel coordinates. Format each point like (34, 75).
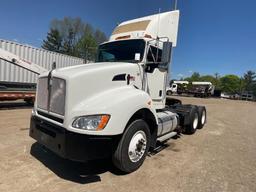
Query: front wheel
(133, 147)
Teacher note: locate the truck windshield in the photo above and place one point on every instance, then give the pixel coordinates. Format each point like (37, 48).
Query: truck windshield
(121, 51)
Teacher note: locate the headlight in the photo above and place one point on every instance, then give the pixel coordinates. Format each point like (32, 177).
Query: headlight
(92, 122)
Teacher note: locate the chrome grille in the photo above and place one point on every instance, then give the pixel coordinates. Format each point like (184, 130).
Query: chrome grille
(42, 93)
(56, 91)
(57, 99)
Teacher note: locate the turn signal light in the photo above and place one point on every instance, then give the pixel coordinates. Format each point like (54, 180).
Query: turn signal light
(103, 122)
(123, 37)
(148, 36)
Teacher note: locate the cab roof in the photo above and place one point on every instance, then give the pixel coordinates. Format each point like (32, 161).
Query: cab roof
(149, 27)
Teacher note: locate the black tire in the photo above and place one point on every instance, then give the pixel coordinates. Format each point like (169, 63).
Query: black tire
(202, 117)
(120, 158)
(191, 127)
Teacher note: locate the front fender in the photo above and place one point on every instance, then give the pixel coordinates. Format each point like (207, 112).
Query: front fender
(120, 103)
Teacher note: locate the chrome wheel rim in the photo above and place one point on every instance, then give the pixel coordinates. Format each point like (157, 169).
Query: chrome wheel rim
(137, 146)
(195, 122)
(203, 118)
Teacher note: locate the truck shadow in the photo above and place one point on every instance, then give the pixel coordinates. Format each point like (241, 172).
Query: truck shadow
(82, 173)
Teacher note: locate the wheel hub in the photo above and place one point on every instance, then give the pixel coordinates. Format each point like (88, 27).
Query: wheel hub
(137, 146)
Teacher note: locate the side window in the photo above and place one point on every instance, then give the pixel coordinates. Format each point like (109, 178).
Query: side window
(154, 54)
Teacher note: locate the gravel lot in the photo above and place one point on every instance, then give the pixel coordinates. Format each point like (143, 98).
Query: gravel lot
(220, 157)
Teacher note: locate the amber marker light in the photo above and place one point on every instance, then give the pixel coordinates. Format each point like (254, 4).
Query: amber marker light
(123, 37)
(148, 36)
(103, 122)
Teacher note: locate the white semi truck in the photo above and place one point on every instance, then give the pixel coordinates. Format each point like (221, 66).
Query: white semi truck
(115, 107)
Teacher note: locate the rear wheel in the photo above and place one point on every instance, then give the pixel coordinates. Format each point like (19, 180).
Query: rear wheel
(194, 121)
(133, 147)
(202, 116)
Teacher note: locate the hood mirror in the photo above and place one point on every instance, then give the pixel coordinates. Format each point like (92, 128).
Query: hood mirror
(166, 55)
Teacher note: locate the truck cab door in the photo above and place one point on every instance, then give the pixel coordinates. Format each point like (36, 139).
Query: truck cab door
(156, 78)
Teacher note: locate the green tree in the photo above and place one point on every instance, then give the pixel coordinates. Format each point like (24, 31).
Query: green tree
(77, 38)
(249, 80)
(69, 45)
(100, 37)
(195, 77)
(71, 30)
(217, 81)
(230, 84)
(87, 47)
(208, 78)
(53, 41)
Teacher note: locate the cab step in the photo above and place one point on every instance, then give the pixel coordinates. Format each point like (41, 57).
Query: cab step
(166, 137)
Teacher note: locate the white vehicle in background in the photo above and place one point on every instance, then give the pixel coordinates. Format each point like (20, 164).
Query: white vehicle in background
(225, 96)
(202, 89)
(248, 96)
(196, 88)
(116, 107)
(175, 86)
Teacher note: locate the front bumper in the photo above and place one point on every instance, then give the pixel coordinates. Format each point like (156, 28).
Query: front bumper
(70, 145)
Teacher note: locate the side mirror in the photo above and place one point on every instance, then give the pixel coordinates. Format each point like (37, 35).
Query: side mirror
(166, 54)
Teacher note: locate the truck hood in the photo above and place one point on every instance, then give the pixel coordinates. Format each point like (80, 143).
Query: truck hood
(89, 81)
(95, 73)
(78, 70)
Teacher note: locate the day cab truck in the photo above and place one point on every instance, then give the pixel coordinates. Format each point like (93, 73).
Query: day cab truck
(116, 107)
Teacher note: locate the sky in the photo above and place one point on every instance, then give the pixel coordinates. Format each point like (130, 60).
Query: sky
(215, 36)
